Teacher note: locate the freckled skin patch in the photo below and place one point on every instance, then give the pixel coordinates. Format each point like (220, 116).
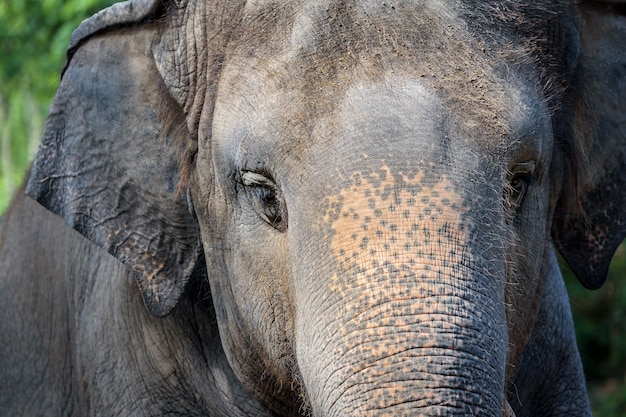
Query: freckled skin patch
(382, 223)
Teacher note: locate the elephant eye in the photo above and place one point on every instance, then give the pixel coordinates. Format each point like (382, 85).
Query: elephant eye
(520, 178)
(267, 199)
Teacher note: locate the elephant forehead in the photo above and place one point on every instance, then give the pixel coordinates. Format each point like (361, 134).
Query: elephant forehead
(302, 77)
(397, 113)
(306, 36)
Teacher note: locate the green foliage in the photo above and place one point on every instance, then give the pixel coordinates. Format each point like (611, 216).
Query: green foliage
(601, 332)
(21, 121)
(33, 36)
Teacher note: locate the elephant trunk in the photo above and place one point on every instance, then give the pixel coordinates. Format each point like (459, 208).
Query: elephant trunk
(409, 351)
(410, 317)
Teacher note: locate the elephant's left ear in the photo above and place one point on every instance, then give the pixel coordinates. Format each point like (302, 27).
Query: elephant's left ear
(108, 161)
(590, 217)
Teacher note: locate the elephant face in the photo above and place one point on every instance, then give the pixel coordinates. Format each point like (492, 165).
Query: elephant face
(373, 187)
(382, 235)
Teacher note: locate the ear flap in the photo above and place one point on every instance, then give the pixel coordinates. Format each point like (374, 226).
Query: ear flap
(108, 162)
(590, 217)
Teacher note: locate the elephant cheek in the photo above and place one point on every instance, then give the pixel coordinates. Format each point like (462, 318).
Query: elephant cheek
(412, 321)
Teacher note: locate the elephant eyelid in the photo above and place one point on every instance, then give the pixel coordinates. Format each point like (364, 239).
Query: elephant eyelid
(250, 178)
(524, 171)
(527, 166)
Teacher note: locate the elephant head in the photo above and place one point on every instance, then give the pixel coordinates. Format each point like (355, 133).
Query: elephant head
(373, 186)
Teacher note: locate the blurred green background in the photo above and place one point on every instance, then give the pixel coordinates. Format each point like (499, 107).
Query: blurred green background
(33, 36)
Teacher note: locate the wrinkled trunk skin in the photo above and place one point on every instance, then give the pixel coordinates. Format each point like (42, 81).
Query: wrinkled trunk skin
(400, 354)
(415, 323)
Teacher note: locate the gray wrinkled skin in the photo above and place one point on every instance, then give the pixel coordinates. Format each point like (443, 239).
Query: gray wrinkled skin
(316, 208)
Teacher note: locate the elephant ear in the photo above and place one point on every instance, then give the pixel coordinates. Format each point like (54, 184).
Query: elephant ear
(590, 217)
(108, 161)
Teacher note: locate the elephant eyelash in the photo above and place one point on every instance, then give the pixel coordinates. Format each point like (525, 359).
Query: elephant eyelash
(266, 199)
(519, 183)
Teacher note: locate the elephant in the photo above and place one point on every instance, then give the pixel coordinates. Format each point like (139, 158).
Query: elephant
(317, 208)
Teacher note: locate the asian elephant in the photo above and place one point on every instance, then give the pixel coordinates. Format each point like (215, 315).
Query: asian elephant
(317, 208)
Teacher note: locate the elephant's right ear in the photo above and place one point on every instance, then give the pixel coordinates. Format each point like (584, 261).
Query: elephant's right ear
(108, 161)
(590, 217)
